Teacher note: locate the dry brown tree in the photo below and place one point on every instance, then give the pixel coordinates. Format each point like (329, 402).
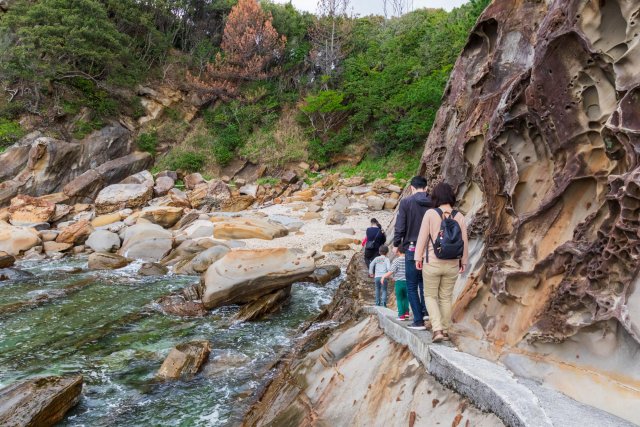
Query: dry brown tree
(251, 48)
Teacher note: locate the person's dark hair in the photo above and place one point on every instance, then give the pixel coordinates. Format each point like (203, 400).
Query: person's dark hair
(401, 249)
(418, 182)
(443, 194)
(375, 222)
(383, 250)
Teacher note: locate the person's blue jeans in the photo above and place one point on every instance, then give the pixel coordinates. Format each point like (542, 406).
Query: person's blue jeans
(415, 288)
(381, 291)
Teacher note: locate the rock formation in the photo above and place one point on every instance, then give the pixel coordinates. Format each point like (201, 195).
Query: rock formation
(39, 401)
(539, 134)
(244, 275)
(39, 165)
(185, 360)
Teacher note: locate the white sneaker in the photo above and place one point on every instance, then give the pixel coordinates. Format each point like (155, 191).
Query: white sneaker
(417, 327)
(425, 317)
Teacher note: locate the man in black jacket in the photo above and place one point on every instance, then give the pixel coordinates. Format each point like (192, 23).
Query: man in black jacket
(408, 221)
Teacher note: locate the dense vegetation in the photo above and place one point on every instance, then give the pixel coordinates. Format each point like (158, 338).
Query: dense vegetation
(276, 102)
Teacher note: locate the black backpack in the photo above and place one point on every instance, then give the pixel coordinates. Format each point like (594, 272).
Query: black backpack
(449, 243)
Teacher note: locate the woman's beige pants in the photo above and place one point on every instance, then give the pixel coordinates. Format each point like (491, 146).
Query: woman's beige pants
(439, 280)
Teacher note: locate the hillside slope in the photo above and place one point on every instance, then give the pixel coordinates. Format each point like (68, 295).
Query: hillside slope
(538, 132)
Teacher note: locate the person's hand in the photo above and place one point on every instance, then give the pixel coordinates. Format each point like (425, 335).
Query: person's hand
(418, 264)
(371, 275)
(462, 268)
(395, 250)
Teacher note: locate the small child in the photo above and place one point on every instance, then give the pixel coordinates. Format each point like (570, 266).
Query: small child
(402, 298)
(378, 268)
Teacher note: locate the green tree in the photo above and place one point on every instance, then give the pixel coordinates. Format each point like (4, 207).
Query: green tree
(61, 39)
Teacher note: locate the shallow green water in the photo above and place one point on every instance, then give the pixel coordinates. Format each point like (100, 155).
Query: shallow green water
(109, 330)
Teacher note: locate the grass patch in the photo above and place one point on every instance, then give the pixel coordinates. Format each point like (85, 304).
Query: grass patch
(403, 166)
(268, 180)
(10, 132)
(83, 128)
(148, 142)
(183, 160)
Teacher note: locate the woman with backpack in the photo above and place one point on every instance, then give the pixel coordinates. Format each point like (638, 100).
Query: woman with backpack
(444, 246)
(374, 238)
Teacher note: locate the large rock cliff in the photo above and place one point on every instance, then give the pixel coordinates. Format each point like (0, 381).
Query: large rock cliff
(539, 132)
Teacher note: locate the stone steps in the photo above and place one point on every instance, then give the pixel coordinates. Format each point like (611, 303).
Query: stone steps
(491, 386)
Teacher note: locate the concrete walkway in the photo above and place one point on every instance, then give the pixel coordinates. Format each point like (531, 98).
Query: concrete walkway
(491, 386)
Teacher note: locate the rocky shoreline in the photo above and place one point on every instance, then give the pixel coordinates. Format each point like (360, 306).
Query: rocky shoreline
(248, 250)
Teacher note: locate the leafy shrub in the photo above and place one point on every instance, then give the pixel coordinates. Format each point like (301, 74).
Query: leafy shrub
(148, 142)
(187, 161)
(10, 132)
(268, 180)
(83, 128)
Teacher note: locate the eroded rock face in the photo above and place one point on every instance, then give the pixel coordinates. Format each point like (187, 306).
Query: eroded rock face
(360, 377)
(247, 228)
(539, 134)
(243, 275)
(39, 401)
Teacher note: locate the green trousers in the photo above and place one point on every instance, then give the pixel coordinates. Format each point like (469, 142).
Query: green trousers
(402, 299)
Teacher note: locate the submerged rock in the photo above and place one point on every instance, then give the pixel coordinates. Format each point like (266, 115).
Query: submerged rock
(39, 401)
(264, 305)
(184, 303)
(107, 261)
(15, 274)
(152, 269)
(185, 360)
(243, 275)
(7, 260)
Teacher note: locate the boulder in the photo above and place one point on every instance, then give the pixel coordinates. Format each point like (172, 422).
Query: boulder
(375, 203)
(86, 186)
(147, 242)
(143, 177)
(48, 235)
(324, 274)
(50, 248)
(152, 269)
(173, 175)
(39, 401)
(243, 275)
(341, 244)
(247, 228)
(163, 185)
(237, 203)
(25, 210)
(212, 195)
(103, 241)
(360, 190)
(14, 240)
(107, 261)
(185, 360)
(349, 231)
(341, 203)
(196, 229)
(308, 216)
(335, 218)
(178, 198)
(183, 304)
(314, 207)
(121, 196)
(249, 190)
(165, 216)
(7, 260)
(61, 212)
(201, 262)
(289, 177)
(193, 180)
(75, 233)
(303, 195)
(354, 181)
(106, 219)
(390, 204)
(264, 305)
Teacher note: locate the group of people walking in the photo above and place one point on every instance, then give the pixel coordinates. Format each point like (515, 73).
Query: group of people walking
(430, 245)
